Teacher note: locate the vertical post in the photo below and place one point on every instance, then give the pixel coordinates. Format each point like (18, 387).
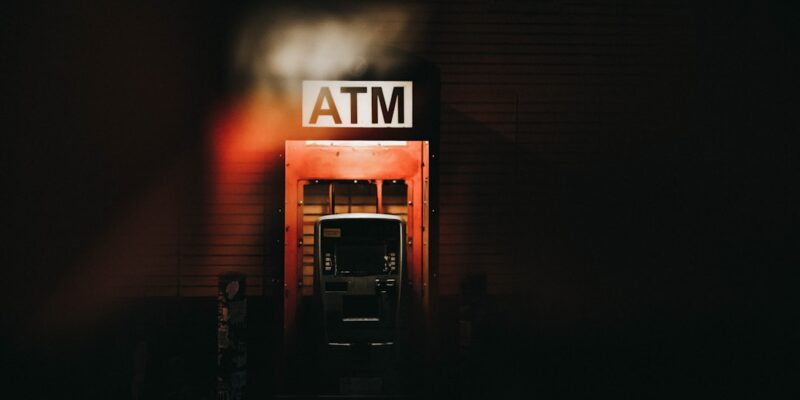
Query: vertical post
(290, 233)
(425, 229)
(331, 199)
(417, 244)
(379, 185)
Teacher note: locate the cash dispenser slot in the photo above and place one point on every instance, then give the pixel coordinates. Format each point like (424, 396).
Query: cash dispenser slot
(361, 308)
(336, 286)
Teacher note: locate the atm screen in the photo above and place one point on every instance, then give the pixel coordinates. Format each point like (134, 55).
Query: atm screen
(360, 259)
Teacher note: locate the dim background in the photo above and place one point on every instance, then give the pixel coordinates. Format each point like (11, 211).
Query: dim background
(622, 173)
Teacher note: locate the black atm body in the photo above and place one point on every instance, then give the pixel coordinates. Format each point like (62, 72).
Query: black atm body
(360, 262)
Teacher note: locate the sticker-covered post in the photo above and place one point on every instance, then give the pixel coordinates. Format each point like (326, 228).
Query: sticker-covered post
(231, 334)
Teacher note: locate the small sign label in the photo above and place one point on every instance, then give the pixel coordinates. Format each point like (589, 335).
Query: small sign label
(357, 104)
(332, 232)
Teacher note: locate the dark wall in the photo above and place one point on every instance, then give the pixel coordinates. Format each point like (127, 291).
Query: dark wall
(621, 172)
(101, 100)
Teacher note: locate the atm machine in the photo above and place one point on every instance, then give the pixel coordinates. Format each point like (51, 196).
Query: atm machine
(359, 264)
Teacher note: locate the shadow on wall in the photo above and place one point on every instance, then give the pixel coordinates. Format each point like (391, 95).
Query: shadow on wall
(509, 270)
(603, 269)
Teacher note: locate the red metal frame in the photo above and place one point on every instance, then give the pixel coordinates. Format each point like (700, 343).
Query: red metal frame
(309, 160)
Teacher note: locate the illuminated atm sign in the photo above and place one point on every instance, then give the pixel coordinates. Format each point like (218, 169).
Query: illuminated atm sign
(357, 104)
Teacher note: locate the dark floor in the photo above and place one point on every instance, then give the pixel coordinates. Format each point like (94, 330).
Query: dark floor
(722, 355)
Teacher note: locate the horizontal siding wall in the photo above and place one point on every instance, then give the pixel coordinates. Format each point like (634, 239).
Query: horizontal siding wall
(213, 224)
(233, 230)
(536, 96)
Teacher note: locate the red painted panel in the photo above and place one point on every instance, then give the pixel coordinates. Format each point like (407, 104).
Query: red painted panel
(305, 161)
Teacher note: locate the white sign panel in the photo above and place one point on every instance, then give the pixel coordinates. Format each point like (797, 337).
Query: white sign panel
(357, 104)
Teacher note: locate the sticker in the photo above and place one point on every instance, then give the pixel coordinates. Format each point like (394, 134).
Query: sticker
(332, 232)
(231, 289)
